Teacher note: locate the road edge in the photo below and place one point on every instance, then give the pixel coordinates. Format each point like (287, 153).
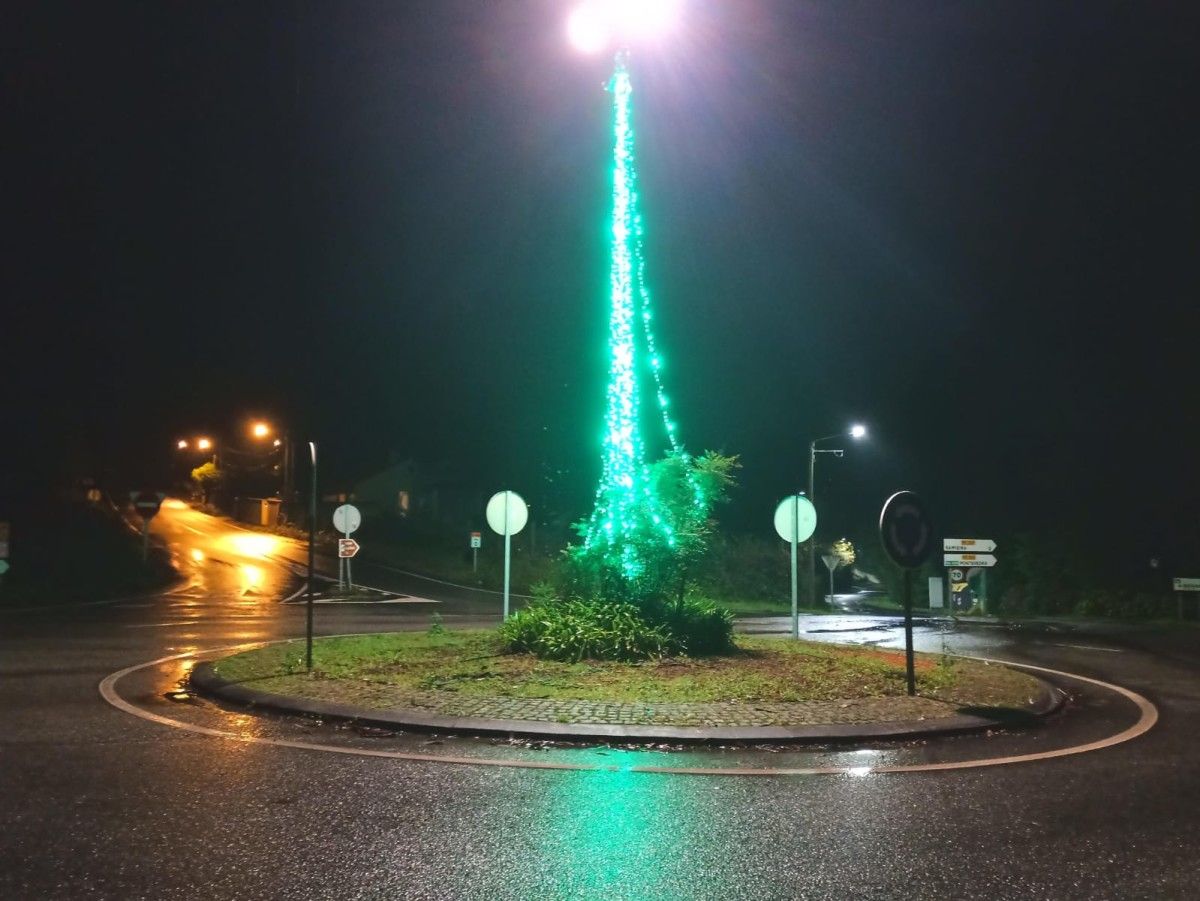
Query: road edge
(204, 680)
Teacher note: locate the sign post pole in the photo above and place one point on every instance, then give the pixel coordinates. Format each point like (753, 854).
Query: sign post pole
(795, 599)
(907, 536)
(910, 670)
(146, 503)
(795, 522)
(346, 519)
(312, 582)
(507, 514)
(507, 554)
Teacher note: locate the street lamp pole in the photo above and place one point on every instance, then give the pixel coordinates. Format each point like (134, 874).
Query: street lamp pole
(312, 542)
(856, 432)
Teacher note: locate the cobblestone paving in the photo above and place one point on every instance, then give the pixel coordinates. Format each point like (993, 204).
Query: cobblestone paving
(722, 713)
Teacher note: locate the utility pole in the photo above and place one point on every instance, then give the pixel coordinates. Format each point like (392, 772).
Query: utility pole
(312, 541)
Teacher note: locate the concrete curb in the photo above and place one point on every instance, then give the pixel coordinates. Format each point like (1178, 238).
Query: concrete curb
(206, 681)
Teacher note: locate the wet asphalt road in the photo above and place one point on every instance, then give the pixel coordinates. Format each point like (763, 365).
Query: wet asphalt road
(100, 803)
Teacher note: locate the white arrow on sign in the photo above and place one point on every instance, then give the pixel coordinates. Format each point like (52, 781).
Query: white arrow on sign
(969, 559)
(968, 545)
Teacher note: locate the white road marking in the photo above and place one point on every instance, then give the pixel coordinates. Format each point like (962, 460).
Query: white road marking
(1148, 716)
(1088, 647)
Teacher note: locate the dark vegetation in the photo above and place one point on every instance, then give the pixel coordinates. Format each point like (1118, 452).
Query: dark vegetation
(64, 551)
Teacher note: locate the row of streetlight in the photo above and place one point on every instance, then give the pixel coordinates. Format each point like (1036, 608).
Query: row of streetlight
(259, 430)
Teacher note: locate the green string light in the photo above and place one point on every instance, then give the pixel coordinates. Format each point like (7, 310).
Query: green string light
(627, 511)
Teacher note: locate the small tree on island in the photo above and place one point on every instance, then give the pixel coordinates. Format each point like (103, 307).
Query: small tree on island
(629, 598)
(684, 491)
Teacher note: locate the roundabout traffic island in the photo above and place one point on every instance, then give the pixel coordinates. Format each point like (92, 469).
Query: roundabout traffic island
(762, 690)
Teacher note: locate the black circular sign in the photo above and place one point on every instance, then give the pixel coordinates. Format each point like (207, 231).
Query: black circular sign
(905, 530)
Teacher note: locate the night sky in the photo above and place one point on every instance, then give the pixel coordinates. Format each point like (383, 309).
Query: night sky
(972, 226)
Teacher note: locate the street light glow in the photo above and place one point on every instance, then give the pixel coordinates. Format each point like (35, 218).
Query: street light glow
(204, 444)
(587, 29)
(260, 430)
(858, 431)
(181, 444)
(596, 24)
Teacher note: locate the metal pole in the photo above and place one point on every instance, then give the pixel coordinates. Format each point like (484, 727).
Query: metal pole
(312, 531)
(349, 573)
(795, 532)
(810, 560)
(830, 587)
(507, 554)
(474, 559)
(910, 672)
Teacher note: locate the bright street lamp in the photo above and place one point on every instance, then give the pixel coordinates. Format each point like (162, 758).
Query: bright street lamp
(598, 24)
(203, 444)
(857, 431)
(181, 444)
(261, 430)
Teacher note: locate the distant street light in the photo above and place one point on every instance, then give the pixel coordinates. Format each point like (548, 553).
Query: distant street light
(857, 431)
(260, 430)
(202, 445)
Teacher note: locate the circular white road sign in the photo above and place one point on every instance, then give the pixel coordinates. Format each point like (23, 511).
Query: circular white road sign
(795, 514)
(347, 519)
(507, 513)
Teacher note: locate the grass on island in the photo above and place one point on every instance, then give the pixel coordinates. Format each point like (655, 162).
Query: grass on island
(474, 663)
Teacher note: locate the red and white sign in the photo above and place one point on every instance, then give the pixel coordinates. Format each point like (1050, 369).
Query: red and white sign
(347, 547)
(476, 539)
(146, 502)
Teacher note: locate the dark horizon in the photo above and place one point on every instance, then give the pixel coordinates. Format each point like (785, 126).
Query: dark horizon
(972, 228)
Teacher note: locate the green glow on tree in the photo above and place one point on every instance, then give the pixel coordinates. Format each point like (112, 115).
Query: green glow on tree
(629, 518)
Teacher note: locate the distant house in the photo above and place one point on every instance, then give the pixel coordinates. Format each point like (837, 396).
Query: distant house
(392, 490)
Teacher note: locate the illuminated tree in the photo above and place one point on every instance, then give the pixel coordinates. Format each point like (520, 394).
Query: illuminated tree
(631, 526)
(843, 549)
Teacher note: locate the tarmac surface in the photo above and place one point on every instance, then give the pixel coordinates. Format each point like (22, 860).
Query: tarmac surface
(155, 793)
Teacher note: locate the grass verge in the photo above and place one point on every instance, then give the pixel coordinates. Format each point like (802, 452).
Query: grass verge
(473, 663)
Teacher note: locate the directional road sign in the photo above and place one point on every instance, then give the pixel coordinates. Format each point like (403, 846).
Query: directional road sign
(1187, 584)
(969, 559)
(3, 567)
(968, 545)
(347, 547)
